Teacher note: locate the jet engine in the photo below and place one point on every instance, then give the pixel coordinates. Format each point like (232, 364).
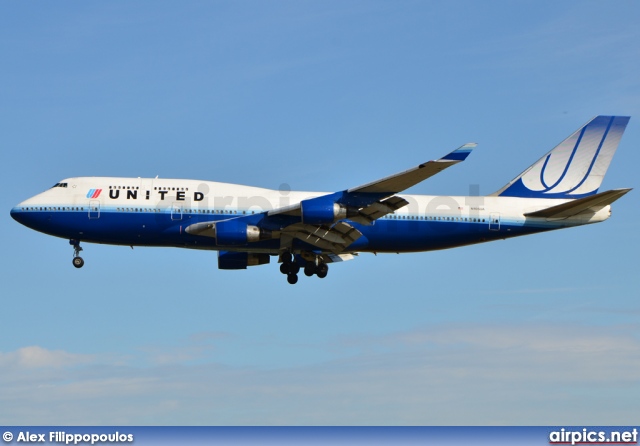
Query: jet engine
(316, 212)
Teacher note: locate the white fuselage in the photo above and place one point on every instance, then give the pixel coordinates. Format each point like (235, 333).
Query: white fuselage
(154, 212)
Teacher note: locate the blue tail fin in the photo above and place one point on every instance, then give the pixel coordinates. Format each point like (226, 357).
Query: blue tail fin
(574, 168)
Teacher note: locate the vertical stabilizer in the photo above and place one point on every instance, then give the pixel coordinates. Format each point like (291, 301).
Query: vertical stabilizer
(575, 167)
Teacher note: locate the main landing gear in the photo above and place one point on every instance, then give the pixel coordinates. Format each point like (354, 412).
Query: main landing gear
(290, 266)
(78, 262)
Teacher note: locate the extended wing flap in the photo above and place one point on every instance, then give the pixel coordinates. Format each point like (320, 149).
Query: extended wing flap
(334, 239)
(333, 258)
(580, 205)
(379, 209)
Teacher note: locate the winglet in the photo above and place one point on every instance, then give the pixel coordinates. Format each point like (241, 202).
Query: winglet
(461, 153)
(404, 180)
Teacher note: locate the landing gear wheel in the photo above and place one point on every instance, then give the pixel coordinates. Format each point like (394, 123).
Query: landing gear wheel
(77, 260)
(309, 269)
(294, 268)
(286, 257)
(288, 265)
(292, 278)
(322, 271)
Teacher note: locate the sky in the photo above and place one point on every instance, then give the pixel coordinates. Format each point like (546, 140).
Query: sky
(538, 330)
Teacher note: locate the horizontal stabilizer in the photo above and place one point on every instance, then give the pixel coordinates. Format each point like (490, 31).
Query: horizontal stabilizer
(580, 205)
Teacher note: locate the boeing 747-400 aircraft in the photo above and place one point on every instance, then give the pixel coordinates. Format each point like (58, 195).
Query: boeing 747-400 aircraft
(308, 230)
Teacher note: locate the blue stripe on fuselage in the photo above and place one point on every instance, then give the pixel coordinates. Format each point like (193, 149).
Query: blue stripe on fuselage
(158, 229)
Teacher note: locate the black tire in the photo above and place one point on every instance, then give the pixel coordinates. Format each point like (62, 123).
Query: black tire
(78, 262)
(309, 269)
(322, 274)
(286, 257)
(294, 268)
(284, 268)
(292, 278)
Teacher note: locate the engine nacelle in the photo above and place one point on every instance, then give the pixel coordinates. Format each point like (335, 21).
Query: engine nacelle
(241, 260)
(316, 212)
(233, 233)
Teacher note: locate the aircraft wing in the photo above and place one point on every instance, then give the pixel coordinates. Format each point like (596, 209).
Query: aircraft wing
(404, 180)
(324, 221)
(375, 200)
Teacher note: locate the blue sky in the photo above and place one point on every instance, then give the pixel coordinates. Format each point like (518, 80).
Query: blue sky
(320, 96)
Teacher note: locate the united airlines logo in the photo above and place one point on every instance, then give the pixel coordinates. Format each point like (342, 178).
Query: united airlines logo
(575, 166)
(94, 193)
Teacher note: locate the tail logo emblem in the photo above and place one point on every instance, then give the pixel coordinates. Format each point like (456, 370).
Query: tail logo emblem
(574, 168)
(586, 160)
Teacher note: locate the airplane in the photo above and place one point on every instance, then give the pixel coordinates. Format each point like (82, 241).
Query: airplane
(309, 230)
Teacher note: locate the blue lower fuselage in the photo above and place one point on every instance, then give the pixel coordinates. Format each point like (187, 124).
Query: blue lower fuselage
(161, 228)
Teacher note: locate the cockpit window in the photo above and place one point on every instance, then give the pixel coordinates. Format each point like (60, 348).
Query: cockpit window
(59, 185)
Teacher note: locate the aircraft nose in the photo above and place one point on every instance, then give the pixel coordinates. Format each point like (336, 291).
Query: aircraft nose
(16, 214)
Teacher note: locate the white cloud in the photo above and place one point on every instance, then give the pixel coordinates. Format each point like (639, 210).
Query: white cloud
(444, 375)
(38, 357)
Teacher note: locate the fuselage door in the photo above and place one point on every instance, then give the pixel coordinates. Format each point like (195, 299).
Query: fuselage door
(176, 211)
(494, 221)
(94, 209)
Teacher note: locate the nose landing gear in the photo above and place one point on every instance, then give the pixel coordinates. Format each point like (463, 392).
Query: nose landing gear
(78, 262)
